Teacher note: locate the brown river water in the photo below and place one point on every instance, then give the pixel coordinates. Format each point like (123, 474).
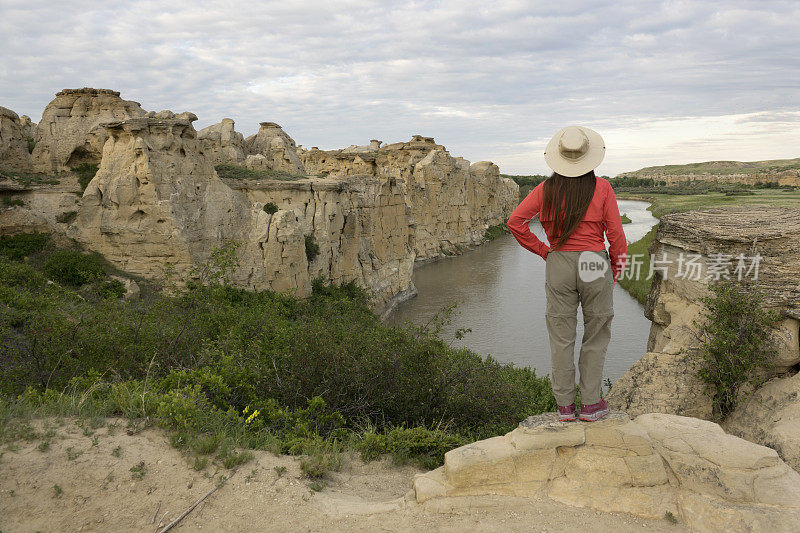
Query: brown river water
(499, 291)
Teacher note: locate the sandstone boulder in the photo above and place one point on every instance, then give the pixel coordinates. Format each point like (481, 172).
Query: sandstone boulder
(649, 466)
(14, 155)
(70, 132)
(275, 145)
(221, 143)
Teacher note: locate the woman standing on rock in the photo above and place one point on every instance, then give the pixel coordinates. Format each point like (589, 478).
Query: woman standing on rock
(576, 209)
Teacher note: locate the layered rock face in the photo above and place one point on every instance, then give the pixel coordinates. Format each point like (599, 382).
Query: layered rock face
(221, 143)
(451, 203)
(654, 464)
(14, 155)
(664, 380)
(277, 147)
(70, 132)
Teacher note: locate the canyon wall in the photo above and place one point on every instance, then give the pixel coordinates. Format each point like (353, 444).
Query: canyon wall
(664, 379)
(157, 207)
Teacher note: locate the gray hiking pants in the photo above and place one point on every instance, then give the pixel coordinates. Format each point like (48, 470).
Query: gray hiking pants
(573, 278)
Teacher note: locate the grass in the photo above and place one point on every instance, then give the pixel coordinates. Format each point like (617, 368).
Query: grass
(639, 285)
(240, 172)
(138, 471)
(625, 218)
(27, 179)
(13, 202)
(664, 204)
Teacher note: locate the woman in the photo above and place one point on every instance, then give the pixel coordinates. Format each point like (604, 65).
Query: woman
(576, 209)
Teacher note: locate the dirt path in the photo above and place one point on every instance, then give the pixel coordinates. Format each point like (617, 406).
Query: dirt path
(97, 491)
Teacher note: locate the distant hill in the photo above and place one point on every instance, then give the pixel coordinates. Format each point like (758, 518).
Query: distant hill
(782, 171)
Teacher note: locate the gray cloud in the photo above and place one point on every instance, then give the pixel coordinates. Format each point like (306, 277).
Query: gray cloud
(489, 81)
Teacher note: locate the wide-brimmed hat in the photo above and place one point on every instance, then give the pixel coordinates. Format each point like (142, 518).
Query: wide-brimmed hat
(574, 151)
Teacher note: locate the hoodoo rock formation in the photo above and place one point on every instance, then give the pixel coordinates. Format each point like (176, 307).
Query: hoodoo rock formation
(14, 155)
(649, 466)
(70, 132)
(221, 143)
(156, 204)
(277, 147)
(664, 380)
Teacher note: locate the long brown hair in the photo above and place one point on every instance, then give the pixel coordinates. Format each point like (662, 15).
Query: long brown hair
(566, 201)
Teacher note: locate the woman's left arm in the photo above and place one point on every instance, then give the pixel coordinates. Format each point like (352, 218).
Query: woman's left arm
(618, 249)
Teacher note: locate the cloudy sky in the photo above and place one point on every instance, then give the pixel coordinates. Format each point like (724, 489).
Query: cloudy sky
(663, 82)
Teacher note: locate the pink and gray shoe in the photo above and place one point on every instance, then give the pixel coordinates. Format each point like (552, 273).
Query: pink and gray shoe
(566, 414)
(593, 412)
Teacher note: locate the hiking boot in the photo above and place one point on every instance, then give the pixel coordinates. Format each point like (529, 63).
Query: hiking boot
(566, 414)
(593, 412)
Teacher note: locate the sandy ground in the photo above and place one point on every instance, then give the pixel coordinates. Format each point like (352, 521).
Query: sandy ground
(98, 492)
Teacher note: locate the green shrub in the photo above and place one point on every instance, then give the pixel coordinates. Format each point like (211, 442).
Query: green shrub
(111, 289)
(270, 208)
(241, 172)
(85, 172)
(625, 218)
(12, 202)
(73, 267)
(312, 248)
(31, 144)
(736, 342)
(67, 217)
(22, 244)
(424, 446)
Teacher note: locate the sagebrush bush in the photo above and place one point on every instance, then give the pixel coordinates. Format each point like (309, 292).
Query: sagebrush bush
(74, 267)
(22, 244)
(736, 345)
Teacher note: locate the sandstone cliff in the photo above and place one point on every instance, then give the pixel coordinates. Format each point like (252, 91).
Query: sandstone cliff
(70, 132)
(14, 155)
(157, 205)
(663, 380)
(451, 203)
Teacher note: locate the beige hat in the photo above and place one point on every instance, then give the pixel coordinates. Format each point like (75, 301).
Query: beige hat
(574, 151)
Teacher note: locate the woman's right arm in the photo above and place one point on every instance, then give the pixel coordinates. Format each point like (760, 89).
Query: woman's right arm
(521, 217)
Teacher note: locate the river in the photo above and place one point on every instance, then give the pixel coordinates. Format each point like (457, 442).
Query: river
(499, 291)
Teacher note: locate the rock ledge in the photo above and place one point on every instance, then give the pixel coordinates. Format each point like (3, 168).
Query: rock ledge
(654, 464)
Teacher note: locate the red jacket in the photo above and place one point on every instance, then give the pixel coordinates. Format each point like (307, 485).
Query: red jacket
(601, 217)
